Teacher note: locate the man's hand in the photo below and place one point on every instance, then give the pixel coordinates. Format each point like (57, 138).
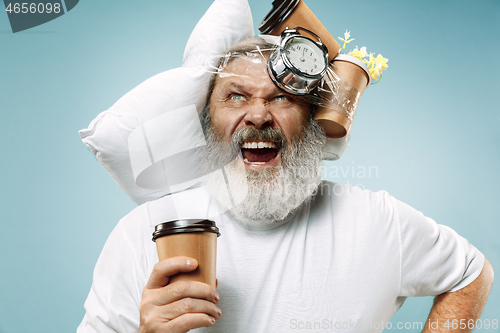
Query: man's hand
(458, 311)
(180, 306)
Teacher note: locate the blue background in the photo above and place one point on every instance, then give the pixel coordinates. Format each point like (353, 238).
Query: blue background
(430, 129)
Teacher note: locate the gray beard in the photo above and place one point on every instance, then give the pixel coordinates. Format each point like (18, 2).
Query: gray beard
(263, 198)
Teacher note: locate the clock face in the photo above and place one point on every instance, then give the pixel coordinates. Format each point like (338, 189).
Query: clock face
(305, 55)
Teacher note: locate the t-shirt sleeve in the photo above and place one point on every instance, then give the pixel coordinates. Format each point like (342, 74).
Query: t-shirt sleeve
(434, 258)
(113, 302)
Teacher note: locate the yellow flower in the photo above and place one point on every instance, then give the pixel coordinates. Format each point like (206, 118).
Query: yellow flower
(375, 65)
(360, 54)
(346, 40)
(363, 51)
(347, 35)
(371, 59)
(374, 73)
(355, 53)
(381, 62)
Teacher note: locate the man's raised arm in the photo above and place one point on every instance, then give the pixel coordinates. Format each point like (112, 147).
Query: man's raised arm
(459, 311)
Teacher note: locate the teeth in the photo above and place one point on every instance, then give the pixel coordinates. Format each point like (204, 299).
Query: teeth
(247, 161)
(258, 145)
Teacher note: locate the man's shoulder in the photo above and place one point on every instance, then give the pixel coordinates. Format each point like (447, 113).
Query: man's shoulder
(354, 208)
(135, 230)
(133, 225)
(343, 198)
(137, 215)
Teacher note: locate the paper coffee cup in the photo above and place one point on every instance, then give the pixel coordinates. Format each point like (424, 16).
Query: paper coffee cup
(337, 107)
(194, 238)
(295, 13)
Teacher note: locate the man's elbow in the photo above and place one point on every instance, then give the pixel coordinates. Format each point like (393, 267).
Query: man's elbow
(479, 289)
(488, 275)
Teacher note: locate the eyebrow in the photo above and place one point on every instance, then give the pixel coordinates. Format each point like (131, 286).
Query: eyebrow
(236, 86)
(248, 87)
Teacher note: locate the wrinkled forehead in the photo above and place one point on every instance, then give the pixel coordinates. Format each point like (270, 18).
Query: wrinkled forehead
(244, 67)
(253, 53)
(246, 58)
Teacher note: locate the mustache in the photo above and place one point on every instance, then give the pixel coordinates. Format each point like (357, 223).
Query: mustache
(220, 152)
(267, 134)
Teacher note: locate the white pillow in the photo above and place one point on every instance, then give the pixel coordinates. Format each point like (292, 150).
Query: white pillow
(134, 139)
(224, 23)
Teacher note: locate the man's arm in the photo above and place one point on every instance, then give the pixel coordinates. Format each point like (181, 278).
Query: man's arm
(458, 311)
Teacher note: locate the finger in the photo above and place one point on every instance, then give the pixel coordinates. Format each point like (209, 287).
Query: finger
(164, 269)
(189, 321)
(190, 305)
(182, 289)
(216, 283)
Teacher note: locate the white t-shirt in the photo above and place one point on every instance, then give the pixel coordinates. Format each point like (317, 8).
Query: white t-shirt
(348, 260)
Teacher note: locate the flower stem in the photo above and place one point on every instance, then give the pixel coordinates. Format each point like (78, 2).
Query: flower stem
(377, 80)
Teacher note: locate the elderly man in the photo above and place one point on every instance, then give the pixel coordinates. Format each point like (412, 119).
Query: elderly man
(297, 252)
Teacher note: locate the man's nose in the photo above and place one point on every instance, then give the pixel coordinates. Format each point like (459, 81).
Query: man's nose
(258, 115)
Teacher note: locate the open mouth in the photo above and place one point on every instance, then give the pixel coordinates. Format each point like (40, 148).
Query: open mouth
(259, 152)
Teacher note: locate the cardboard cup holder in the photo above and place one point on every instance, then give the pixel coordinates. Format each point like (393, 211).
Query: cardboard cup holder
(339, 100)
(195, 238)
